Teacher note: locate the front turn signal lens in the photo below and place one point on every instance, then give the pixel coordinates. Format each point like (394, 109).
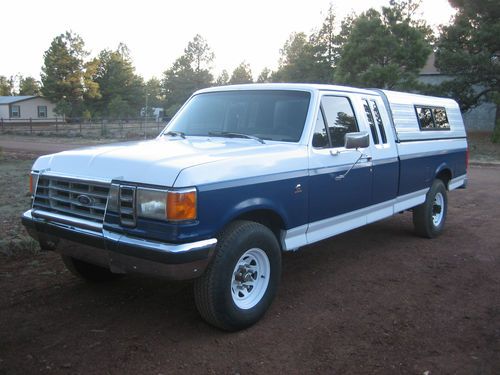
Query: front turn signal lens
(33, 182)
(181, 205)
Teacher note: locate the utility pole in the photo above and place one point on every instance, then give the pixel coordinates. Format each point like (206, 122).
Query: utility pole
(146, 115)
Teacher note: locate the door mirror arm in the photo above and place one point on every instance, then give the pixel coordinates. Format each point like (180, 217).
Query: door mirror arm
(361, 156)
(355, 140)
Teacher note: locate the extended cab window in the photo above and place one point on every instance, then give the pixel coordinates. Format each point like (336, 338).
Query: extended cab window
(340, 118)
(371, 121)
(276, 115)
(432, 118)
(378, 119)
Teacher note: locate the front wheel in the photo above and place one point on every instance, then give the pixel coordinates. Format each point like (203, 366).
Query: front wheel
(239, 285)
(430, 216)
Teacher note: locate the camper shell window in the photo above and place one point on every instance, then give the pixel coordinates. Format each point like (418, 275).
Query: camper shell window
(432, 118)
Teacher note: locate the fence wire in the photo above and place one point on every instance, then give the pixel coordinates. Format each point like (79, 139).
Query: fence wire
(102, 128)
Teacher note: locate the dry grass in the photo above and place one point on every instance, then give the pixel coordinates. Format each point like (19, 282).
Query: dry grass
(14, 199)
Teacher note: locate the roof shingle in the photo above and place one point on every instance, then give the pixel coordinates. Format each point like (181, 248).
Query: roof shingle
(14, 99)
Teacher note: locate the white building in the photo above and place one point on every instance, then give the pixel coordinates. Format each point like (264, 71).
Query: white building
(26, 109)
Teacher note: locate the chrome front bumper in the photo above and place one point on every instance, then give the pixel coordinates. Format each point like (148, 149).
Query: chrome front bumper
(90, 242)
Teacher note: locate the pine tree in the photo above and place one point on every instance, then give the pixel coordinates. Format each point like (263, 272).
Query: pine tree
(241, 74)
(385, 50)
(62, 73)
(469, 51)
(190, 72)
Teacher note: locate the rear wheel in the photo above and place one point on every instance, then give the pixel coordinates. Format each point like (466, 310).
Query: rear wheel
(87, 271)
(429, 218)
(239, 285)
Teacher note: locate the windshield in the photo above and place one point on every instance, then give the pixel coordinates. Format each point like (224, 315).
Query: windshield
(271, 115)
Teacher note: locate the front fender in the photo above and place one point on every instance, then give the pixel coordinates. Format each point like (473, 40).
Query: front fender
(255, 204)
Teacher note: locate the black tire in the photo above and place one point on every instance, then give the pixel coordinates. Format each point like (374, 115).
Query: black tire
(429, 218)
(87, 271)
(220, 292)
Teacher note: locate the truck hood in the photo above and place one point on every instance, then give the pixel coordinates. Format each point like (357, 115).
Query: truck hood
(156, 162)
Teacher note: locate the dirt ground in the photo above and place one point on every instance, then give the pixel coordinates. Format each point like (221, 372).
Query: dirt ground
(377, 300)
(40, 145)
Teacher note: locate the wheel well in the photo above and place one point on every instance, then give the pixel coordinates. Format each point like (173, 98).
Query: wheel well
(267, 218)
(445, 176)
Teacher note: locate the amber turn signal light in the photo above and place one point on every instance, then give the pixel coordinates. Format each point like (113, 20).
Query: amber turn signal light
(181, 205)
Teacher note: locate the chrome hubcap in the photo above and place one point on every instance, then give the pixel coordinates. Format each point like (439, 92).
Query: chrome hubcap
(250, 278)
(438, 209)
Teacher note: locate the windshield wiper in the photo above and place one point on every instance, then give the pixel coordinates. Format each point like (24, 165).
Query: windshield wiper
(176, 134)
(236, 135)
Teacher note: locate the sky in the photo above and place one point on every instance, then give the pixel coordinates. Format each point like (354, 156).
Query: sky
(157, 32)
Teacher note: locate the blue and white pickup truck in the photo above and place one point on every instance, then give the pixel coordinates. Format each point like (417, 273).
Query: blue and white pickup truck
(241, 174)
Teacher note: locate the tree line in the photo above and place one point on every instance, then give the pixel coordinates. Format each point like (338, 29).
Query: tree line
(384, 48)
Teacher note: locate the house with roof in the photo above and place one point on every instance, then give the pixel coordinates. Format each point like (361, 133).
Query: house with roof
(28, 108)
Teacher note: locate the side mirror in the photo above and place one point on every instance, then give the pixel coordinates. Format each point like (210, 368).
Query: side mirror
(357, 140)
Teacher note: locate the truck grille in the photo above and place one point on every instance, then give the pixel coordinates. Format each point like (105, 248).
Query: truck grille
(71, 197)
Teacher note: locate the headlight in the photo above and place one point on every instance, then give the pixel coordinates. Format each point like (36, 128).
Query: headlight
(152, 203)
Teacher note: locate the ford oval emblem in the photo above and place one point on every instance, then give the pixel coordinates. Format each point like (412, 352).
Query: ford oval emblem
(84, 199)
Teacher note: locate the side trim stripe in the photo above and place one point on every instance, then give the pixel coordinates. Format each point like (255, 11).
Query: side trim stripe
(384, 161)
(429, 153)
(303, 235)
(253, 180)
(430, 139)
(410, 200)
(294, 238)
(457, 182)
(337, 168)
